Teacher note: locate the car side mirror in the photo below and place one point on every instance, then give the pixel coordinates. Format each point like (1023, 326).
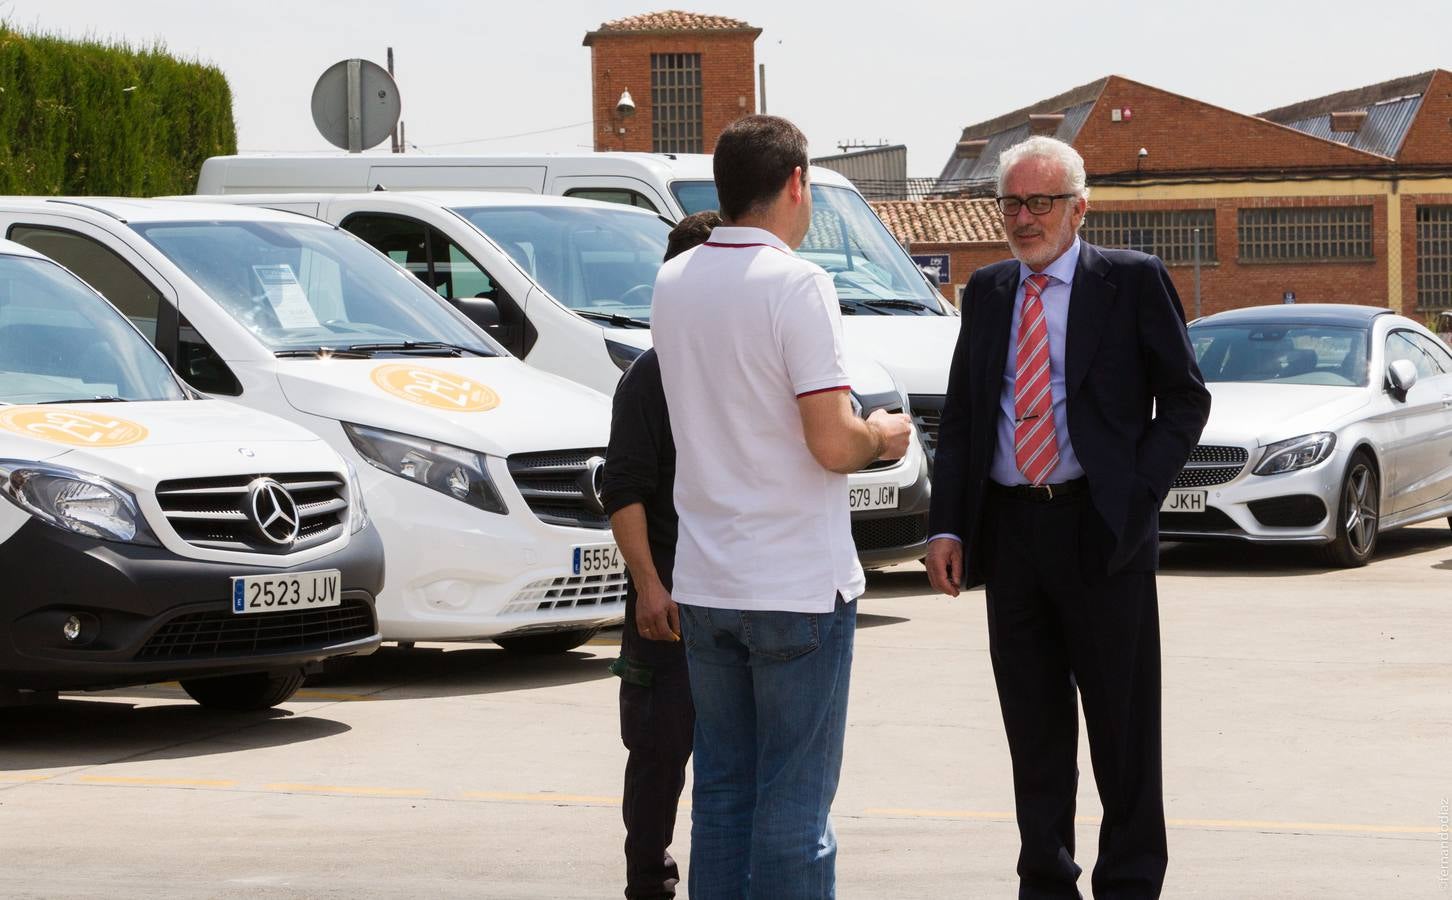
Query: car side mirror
(1400, 376)
(481, 311)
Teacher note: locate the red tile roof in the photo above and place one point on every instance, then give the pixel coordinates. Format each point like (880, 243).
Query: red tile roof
(941, 221)
(670, 21)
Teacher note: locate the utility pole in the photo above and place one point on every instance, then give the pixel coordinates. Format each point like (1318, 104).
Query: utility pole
(393, 139)
(761, 83)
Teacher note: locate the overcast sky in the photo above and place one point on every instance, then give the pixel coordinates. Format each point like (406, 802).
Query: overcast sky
(474, 74)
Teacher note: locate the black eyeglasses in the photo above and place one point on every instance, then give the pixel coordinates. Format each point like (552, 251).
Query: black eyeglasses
(1038, 204)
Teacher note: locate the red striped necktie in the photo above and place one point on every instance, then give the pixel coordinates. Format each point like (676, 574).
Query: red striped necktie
(1036, 446)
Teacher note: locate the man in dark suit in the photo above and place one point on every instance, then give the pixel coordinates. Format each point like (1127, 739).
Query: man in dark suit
(1073, 401)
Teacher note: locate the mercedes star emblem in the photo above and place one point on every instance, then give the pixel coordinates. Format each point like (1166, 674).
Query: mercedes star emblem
(592, 484)
(274, 512)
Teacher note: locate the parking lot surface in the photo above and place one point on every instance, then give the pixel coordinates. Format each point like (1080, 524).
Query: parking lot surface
(1308, 753)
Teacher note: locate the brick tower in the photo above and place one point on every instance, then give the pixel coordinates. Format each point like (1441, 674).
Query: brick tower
(689, 76)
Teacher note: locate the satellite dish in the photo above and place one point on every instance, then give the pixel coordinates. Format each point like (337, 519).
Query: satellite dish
(356, 104)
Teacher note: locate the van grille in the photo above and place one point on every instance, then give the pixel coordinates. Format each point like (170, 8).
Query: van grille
(555, 485)
(212, 635)
(215, 513)
(890, 531)
(927, 410)
(569, 592)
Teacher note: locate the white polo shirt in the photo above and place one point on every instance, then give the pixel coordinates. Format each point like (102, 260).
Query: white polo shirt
(743, 327)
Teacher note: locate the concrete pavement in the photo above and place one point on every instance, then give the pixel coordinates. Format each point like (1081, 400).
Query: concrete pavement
(1308, 724)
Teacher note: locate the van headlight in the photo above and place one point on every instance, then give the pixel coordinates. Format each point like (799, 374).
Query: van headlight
(622, 354)
(1296, 453)
(357, 509)
(76, 501)
(459, 473)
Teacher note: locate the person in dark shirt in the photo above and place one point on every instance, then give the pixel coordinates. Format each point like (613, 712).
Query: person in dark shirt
(657, 718)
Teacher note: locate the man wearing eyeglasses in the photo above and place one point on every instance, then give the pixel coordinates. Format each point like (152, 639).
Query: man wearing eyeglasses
(1073, 401)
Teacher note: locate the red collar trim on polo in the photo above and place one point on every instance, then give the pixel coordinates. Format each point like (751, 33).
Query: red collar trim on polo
(740, 246)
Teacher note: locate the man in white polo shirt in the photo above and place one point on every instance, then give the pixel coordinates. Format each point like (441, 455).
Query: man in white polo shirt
(749, 341)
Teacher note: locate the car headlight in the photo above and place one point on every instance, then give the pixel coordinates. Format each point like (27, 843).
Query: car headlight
(1296, 453)
(76, 501)
(622, 354)
(459, 473)
(357, 509)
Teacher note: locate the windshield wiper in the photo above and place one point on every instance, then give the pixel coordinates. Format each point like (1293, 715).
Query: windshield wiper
(903, 304)
(851, 306)
(103, 399)
(316, 352)
(616, 319)
(406, 346)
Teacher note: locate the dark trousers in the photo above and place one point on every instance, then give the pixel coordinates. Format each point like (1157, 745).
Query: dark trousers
(1059, 627)
(656, 724)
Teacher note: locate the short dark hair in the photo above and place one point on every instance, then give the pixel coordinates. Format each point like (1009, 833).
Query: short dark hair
(754, 157)
(690, 231)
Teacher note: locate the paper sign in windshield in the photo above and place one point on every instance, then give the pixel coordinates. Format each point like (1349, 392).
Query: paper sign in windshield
(286, 296)
(69, 427)
(435, 388)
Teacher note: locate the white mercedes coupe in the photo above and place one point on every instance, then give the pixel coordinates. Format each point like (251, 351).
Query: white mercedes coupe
(1330, 424)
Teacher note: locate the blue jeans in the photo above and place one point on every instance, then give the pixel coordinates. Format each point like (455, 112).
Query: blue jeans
(770, 690)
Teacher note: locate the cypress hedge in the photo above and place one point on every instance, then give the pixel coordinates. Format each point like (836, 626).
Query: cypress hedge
(86, 117)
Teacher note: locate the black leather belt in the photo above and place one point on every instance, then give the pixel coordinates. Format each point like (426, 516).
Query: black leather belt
(1041, 493)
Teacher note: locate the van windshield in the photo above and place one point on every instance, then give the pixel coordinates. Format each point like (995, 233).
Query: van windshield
(304, 287)
(871, 271)
(600, 262)
(61, 343)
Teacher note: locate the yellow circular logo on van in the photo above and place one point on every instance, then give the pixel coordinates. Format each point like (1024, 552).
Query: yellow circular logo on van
(431, 387)
(69, 427)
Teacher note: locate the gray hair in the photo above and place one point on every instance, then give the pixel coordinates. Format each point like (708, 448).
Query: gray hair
(1046, 148)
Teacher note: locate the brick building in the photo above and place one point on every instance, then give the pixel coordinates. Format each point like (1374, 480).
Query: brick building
(1345, 198)
(689, 75)
(969, 232)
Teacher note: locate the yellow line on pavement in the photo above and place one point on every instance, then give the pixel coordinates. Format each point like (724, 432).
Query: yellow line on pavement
(1232, 824)
(158, 782)
(538, 797)
(24, 779)
(328, 695)
(1254, 825)
(290, 788)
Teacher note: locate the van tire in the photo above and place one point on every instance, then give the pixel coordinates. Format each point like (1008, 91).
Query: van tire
(247, 692)
(547, 644)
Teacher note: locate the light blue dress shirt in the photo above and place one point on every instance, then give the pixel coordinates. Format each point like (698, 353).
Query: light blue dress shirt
(1055, 298)
(1056, 309)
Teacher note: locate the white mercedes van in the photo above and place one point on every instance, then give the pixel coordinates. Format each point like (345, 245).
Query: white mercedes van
(481, 472)
(893, 315)
(565, 284)
(150, 534)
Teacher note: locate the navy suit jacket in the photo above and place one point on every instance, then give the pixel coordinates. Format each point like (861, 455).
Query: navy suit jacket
(1136, 404)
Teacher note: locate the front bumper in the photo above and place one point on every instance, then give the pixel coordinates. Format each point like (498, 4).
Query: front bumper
(457, 573)
(1291, 508)
(887, 537)
(154, 616)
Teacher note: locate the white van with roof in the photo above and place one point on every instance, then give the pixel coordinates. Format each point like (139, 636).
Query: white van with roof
(566, 284)
(892, 315)
(150, 534)
(482, 473)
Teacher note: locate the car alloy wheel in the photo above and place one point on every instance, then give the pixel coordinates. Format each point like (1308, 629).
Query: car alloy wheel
(1358, 514)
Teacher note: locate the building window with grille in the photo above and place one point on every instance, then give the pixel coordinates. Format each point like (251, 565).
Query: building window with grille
(1168, 234)
(1434, 257)
(675, 103)
(1306, 234)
